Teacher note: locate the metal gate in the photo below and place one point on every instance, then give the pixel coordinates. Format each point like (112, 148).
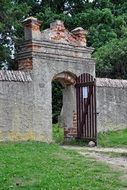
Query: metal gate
(86, 107)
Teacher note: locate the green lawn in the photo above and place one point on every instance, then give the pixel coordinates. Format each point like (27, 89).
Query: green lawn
(58, 134)
(113, 139)
(40, 166)
(107, 139)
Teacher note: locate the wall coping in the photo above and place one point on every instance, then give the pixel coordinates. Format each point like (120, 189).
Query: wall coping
(18, 76)
(114, 83)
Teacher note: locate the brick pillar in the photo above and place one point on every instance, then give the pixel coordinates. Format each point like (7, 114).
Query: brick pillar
(32, 34)
(75, 121)
(32, 28)
(71, 132)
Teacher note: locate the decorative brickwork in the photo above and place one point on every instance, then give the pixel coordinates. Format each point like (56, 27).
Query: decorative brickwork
(75, 120)
(57, 32)
(80, 35)
(32, 23)
(34, 27)
(71, 132)
(65, 78)
(30, 47)
(25, 64)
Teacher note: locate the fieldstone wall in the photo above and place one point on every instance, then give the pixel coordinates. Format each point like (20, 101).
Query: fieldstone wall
(16, 106)
(19, 116)
(111, 104)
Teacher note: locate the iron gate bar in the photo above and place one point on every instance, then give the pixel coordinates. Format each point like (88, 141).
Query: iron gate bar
(85, 84)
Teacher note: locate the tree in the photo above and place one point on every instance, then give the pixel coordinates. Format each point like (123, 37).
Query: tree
(105, 20)
(57, 97)
(11, 15)
(112, 59)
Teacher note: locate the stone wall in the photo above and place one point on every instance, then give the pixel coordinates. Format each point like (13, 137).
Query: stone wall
(45, 67)
(20, 118)
(111, 104)
(16, 111)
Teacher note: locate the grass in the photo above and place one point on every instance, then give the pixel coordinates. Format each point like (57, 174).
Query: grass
(107, 139)
(40, 166)
(58, 134)
(58, 137)
(113, 139)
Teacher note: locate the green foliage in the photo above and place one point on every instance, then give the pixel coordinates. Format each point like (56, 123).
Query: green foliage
(36, 166)
(113, 139)
(58, 137)
(76, 142)
(105, 20)
(112, 59)
(57, 97)
(58, 134)
(11, 15)
(108, 27)
(49, 16)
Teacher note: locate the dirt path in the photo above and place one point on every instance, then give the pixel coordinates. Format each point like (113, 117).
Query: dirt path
(103, 155)
(99, 154)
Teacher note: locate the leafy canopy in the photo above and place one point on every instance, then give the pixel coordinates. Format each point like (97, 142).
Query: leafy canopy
(105, 20)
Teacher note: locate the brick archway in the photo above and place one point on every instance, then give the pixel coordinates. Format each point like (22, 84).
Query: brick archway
(66, 78)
